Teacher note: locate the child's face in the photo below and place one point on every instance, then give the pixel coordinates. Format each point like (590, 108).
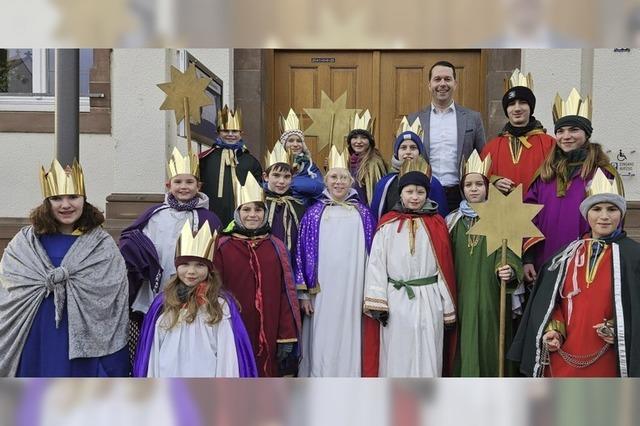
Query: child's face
(475, 190)
(408, 150)
(294, 143)
(251, 215)
(192, 273)
(230, 136)
(278, 181)
(413, 196)
(184, 187)
(359, 144)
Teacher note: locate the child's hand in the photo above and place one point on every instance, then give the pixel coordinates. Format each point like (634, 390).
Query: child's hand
(505, 273)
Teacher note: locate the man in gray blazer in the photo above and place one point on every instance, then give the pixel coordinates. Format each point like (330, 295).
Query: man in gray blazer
(451, 132)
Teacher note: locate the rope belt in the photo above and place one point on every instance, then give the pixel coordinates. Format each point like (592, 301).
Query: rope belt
(418, 282)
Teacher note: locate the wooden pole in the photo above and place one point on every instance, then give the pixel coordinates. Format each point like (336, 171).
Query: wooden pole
(503, 307)
(187, 125)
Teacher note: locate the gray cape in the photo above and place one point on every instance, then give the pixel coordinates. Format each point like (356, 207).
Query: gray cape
(91, 281)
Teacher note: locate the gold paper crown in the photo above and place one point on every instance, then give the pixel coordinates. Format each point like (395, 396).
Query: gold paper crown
(518, 79)
(229, 119)
(475, 165)
(62, 181)
(338, 160)
(250, 192)
(178, 165)
(574, 105)
(292, 122)
(416, 165)
(363, 122)
(277, 155)
(201, 245)
(600, 184)
(415, 127)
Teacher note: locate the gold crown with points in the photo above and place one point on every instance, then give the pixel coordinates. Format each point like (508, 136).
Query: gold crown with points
(475, 165)
(518, 79)
(179, 165)
(291, 122)
(415, 127)
(338, 159)
(418, 164)
(250, 192)
(62, 181)
(574, 105)
(277, 155)
(201, 245)
(229, 119)
(363, 122)
(600, 184)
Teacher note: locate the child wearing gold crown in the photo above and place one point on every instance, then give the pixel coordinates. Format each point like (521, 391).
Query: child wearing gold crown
(149, 244)
(285, 208)
(410, 286)
(333, 247)
(408, 146)
(63, 289)
(193, 328)
(365, 161)
(227, 160)
(581, 319)
(478, 281)
(307, 183)
(255, 267)
(561, 182)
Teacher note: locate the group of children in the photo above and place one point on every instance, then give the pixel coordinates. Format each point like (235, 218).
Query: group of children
(360, 272)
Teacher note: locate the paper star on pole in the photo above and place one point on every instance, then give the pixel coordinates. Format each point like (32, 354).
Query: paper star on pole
(505, 217)
(331, 122)
(185, 85)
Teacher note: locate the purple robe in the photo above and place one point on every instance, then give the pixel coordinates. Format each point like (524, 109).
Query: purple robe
(139, 252)
(560, 220)
(306, 273)
(246, 361)
(31, 405)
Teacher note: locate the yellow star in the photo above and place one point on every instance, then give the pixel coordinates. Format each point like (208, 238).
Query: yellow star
(185, 85)
(331, 122)
(96, 23)
(505, 217)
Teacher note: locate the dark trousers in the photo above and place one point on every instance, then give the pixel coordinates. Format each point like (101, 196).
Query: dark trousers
(454, 196)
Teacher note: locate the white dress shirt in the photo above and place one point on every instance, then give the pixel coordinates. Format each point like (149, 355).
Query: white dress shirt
(443, 145)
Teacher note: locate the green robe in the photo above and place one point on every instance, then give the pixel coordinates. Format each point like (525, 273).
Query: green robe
(479, 303)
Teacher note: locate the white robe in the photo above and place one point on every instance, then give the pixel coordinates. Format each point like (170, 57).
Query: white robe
(194, 350)
(163, 229)
(331, 337)
(411, 345)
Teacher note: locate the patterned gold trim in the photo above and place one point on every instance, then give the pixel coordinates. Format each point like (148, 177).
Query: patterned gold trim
(294, 340)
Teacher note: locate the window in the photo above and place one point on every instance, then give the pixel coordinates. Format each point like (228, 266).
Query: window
(27, 79)
(205, 132)
(27, 87)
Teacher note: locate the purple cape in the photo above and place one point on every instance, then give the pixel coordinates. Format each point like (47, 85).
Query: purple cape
(30, 407)
(560, 220)
(140, 254)
(309, 233)
(246, 361)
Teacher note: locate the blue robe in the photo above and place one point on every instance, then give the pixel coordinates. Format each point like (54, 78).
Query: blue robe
(307, 187)
(46, 350)
(387, 194)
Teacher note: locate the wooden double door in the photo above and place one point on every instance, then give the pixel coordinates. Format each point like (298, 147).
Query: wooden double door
(390, 84)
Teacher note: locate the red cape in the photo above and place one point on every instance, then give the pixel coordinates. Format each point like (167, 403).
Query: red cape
(439, 236)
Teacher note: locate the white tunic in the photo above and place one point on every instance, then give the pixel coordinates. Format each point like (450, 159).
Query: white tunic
(411, 345)
(331, 337)
(194, 350)
(163, 229)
